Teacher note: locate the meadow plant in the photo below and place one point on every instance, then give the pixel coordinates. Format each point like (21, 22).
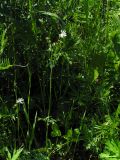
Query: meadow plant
(62, 59)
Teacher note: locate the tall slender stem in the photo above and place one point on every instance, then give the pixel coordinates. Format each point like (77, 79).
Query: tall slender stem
(49, 109)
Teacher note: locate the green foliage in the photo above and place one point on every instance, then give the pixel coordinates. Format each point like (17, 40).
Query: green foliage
(55, 130)
(15, 155)
(102, 132)
(35, 154)
(5, 64)
(63, 59)
(72, 135)
(111, 151)
(3, 40)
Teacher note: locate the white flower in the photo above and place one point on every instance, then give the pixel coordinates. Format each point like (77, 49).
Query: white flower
(62, 34)
(20, 101)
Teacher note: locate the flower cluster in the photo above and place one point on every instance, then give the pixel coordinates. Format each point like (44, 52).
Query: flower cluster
(62, 34)
(20, 101)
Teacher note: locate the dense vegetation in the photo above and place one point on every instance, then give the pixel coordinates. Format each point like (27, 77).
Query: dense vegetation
(59, 79)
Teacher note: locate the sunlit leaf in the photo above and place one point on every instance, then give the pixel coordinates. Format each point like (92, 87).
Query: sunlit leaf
(96, 74)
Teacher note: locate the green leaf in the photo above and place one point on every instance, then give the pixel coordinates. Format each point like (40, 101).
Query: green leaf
(96, 74)
(53, 15)
(69, 134)
(16, 153)
(3, 41)
(32, 132)
(76, 134)
(55, 131)
(111, 151)
(117, 111)
(5, 64)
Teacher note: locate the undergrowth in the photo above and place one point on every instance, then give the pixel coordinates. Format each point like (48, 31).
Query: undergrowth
(59, 73)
